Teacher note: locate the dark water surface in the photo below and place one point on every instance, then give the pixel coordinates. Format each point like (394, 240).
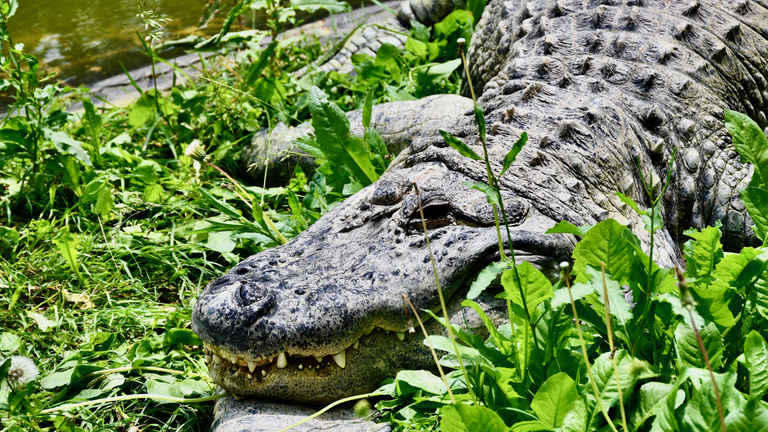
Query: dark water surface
(85, 40)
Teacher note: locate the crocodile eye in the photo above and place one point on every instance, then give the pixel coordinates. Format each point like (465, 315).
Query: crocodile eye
(435, 216)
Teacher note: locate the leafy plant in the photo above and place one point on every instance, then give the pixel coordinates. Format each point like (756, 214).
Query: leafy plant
(660, 360)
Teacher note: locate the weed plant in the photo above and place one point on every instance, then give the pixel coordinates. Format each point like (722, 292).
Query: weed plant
(618, 343)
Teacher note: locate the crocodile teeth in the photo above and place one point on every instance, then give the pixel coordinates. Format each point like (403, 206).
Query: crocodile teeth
(263, 373)
(282, 362)
(356, 345)
(251, 366)
(400, 335)
(340, 358)
(208, 358)
(216, 359)
(319, 359)
(301, 366)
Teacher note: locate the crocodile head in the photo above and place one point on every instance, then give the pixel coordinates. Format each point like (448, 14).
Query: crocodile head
(323, 317)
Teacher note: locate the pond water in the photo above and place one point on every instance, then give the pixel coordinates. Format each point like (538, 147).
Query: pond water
(85, 40)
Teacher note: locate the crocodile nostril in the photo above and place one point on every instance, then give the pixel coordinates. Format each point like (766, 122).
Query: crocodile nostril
(300, 292)
(249, 293)
(255, 301)
(218, 284)
(242, 270)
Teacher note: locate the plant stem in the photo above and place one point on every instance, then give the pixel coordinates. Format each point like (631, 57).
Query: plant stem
(609, 324)
(442, 299)
(586, 357)
(338, 402)
(431, 349)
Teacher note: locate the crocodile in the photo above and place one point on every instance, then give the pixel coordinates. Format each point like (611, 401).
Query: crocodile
(609, 91)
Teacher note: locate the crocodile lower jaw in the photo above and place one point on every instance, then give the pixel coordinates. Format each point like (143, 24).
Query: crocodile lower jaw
(216, 356)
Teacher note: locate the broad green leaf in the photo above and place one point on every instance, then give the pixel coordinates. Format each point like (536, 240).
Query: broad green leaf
(688, 347)
(554, 399)
(751, 144)
(428, 78)
(576, 419)
(141, 110)
(459, 145)
(476, 7)
(761, 296)
(511, 155)
(9, 237)
(466, 418)
(67, 244)
(332, 6)
(753, 417)
(665, 420)
(485, 278)
(756, 362)
(416, 47)
(104, 202)
(269, 90)
(701, 413)
(368, 107)
(9, 343)
(535, 286)
(163, 388)
(332, 131)
(604, 242)
(5, 366)
(756, 201)
(529, 426)
(154, 193)
(493, 195)
(222, 206)
(65, 144)
(619, 308)
(388, 58)
(578, 291)
(68, 377)
(565, 227)
(740, 271)
(703, 252)
(469, 355)
(221, 241)
(92, 122)
(605, 379)
(502, 343)
(180, 336)
(409, 382)
(255, 69)
(147, 171)
(653, 397)
(631, 203)
(193, 387)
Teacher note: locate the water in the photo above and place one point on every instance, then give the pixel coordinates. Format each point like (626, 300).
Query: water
(84, 41)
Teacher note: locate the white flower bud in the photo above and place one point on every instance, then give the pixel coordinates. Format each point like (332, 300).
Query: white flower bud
(22, 371)
(196, 151)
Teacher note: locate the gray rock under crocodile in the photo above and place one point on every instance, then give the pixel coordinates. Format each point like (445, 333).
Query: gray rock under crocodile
(600, 86)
